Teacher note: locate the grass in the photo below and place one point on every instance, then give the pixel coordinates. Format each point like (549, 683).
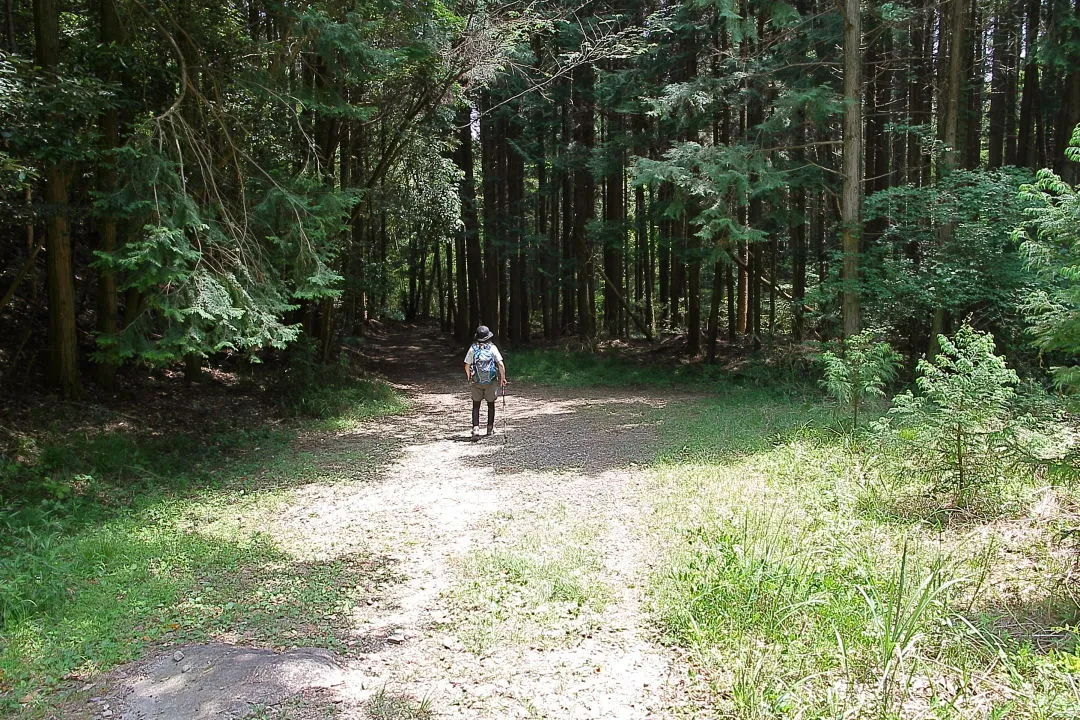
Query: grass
(332, 397)
(385, 705)
(118, 540)
(542, 587)
(800, 580)
(798, 597)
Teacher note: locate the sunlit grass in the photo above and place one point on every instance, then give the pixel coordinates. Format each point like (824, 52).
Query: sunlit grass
(796, 594)
(542, 586)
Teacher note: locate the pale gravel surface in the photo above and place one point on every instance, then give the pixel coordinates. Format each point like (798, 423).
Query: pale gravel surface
(563, 457)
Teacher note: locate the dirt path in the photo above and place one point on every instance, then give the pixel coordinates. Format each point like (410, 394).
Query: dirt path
(521, 558)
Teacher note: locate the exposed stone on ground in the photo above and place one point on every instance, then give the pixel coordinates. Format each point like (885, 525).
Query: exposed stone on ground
(224, 682)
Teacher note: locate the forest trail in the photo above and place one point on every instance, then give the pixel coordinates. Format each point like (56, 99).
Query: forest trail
(516, 564)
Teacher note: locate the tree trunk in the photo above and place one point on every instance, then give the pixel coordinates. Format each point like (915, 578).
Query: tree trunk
(714, 310)
(732, 319)
(63, 343)
(950, 127)
(970, 134)
(953, 89)
(1026, 151)
(663, 250)
(1069, 170)
(614, 220)
(492, 150)
(917, 164)
(354, 299)
(108, 226)
(518, 322)
(755, 293)
(544, 247)
(851, 173)
(569, 293)
(693, 288)
(744, 288)
(999, 89)
(584, 195)
(467, 316)
(9, 26)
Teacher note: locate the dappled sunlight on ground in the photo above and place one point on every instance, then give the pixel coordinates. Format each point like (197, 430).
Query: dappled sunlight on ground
(562, 470)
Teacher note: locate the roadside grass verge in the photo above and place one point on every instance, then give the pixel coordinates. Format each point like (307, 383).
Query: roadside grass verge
(118, 538)
(799, 595)
(541, 587)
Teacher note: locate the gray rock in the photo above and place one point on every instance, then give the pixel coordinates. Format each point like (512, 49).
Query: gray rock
(235, 680)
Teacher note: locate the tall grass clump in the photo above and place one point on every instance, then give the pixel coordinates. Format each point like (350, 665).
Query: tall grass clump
(747, 577)
(786, 619)
(30, 560)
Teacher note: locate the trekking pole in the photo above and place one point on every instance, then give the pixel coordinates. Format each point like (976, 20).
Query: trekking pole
(502, 391)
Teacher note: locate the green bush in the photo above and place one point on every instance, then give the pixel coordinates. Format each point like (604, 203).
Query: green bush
(955, 431)
(860, 372)
(1051, 252)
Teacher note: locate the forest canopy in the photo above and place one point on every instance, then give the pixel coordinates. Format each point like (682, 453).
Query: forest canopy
(186, 179)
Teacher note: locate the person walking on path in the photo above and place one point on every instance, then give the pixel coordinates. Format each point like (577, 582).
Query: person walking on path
(483, 368)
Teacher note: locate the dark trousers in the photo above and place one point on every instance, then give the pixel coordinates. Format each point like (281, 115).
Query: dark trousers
(476, 413)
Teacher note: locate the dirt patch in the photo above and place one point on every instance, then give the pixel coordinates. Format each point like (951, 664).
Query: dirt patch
(561, 475)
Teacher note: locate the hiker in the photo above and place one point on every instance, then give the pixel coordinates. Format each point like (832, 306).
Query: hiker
(483, 363)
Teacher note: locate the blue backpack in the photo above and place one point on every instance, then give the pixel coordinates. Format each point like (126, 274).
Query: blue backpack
(484, 367)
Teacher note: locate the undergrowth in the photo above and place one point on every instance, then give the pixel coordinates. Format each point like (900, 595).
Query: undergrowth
(121, 536)
(336, 396)
(613, 368)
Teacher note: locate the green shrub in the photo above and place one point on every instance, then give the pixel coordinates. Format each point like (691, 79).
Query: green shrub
(860, 372)
(957, 428)
(1051, 252)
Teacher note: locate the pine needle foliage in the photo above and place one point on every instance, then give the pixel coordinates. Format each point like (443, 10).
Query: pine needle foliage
(206, 280)
(862, 370)
(955, 429)
(1052, 252)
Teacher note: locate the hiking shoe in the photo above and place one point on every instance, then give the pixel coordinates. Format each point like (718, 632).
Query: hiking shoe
(491, 430)
(476, 431)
